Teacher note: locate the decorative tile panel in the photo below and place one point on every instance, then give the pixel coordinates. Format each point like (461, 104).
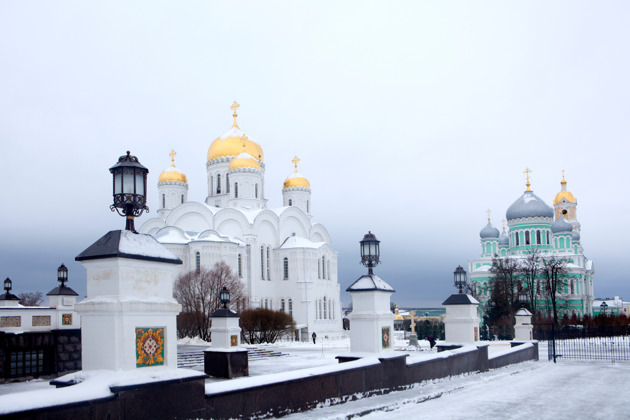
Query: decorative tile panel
(41, 321)
(149, 346)
(10, 321)
(66, 319)
(385, 337)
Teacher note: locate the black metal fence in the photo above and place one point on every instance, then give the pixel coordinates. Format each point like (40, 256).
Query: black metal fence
(578, 342)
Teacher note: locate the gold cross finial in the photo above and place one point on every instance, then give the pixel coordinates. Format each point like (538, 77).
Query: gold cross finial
(235, 106)
(488, 211)
(503, 221)
(172, 155)
(295, 161)
(527, 171)
(564, 181)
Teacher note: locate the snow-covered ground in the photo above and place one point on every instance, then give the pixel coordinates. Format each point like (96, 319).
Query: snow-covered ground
(568, 389)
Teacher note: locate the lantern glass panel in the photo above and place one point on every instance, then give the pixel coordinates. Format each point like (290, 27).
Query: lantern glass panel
(118, 182)
(139, 183)
(128, 181)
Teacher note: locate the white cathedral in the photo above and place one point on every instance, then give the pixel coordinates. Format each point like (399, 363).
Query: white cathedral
(283, 258)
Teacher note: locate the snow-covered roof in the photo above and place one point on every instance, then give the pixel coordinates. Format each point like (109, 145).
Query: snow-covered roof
(127, 244)
(298, 242)
(174, 235)
(370, 282)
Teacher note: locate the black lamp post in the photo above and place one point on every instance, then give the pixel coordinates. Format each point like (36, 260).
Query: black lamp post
(370, 251)
(603, 307)
(522, 298)
(62, 275)
(225, 297)
(460, 278)
(130, 186)
(8, 284)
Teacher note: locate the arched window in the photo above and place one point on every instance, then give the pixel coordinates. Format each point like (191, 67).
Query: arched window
(197, 261)
(227, 183)
(548, 241)
(240, 265)
(236, 190)
(323, 267)
(218, 183)
(527, 237)
(291, 307)
(325, 314)
(290, 202)
(308, 206)
(262, 262)
(268, 265)
(538, 240)
(561, 242)
(285, 268)
(163, 201)
(182, 198)
(516, 236)
(256, 191)
(282, 305)
(266, 304)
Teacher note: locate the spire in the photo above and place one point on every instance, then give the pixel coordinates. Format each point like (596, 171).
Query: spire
(235, 106)
(172, 155)
(295, 161)
(527, 171)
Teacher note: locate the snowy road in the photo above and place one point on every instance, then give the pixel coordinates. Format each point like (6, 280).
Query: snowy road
(531, 390)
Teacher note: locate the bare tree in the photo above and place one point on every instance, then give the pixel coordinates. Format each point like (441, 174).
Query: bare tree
(503, 302)
(198, 292)
(530, 269)
(554, 271)
(31, 298)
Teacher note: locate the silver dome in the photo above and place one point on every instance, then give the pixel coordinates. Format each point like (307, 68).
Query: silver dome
(575, 236)
(528, 205)
(489, 231)
(561, 226)
(504, 239)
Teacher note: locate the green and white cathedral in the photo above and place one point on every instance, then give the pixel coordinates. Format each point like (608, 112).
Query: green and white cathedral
(555, 232)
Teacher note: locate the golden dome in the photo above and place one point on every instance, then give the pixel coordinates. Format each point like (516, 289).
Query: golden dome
(244, 160)
(296, 179)
(171, 173)
(564, 194)
(231, 143)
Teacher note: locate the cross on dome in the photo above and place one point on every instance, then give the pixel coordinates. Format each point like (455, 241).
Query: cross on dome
(172, 155)
(564, 181)
(235, 106)
(295, 161)
(488, 211)
(527, 171)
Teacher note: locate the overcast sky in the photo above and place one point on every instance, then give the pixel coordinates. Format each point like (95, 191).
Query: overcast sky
(411, 119)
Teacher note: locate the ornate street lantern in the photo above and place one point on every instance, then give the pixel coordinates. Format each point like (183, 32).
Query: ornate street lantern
(62, 275)
(522, 297)
(603, 307)
(130, 186)
(370, 251)
(225, 297)
(460, 278)
(8, 284)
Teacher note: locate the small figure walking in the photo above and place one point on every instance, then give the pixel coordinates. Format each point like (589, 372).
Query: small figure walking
(431, 340)
(314, 337)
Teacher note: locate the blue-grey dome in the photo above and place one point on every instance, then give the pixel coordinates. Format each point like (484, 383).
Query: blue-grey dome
(504, 239)
(561, 226)
(489, 232)
(575, 236)
(528, 205)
